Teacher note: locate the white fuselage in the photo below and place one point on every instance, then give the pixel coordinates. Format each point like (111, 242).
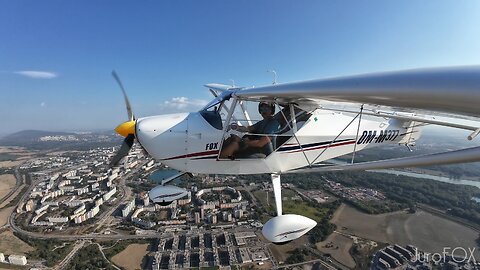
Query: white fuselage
(188, 143)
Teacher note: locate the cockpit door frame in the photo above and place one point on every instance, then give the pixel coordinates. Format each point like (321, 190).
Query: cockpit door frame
(226, 126)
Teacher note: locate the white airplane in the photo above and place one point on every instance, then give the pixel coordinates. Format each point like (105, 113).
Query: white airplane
(304, 125)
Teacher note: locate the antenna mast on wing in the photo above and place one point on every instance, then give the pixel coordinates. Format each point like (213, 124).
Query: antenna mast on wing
(274, 76)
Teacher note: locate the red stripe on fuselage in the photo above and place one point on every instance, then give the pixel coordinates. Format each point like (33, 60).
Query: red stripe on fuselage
(194, 155)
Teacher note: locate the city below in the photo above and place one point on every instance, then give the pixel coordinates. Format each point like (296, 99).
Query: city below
(72, 204)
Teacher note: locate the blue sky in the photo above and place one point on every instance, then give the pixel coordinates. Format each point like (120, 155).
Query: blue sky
(165, 51)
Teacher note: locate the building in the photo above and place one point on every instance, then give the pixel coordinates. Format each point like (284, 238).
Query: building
(185, 201)
(240, 237)
(112, 177)
(226, 216)
(109, 194)
(95, 186)
(35, 218)
(395, 254)
(79, 209)
(128, 208)
(94, 211)
(90, 214)
(43, 223)
(20, 207)
(143, 223)
(29, 206)
(212, 219)
(50, 203)
(259, 256)
(17, 259)
(132, 164)
(197, 217)
(42, 209)
(81, 191)
(412, 249)
(80, 219)
(64, 183)
(57, 219)
(243, 255)
(146, 200)
(100, 177)
(99, 201)
(69, 173)
(407, 254)
(238, 213)
(388, 258)
(73, 203)
(383, 264)
(72, 217)
(67, 188)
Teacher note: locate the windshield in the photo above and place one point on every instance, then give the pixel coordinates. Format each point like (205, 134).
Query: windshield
(211, 112)
(220, 98)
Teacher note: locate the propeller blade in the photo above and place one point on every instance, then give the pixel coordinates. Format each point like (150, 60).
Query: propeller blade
(131, 117)
(124, 149)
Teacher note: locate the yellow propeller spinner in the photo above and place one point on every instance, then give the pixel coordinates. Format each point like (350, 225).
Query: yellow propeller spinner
(126, 128)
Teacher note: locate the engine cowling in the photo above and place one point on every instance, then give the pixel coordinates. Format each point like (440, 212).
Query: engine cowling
(285, 228)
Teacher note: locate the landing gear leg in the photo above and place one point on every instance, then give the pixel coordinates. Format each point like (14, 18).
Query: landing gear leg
(277, 191)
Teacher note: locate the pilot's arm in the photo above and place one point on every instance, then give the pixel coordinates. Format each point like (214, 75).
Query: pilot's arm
(235, 126)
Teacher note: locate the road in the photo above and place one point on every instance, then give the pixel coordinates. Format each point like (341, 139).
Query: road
(327, 266)
(105, 257)
(247, 189)
(332, 261)
(66, 260)
(18, 183)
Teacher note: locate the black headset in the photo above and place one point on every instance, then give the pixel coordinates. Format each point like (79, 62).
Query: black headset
(263, 103)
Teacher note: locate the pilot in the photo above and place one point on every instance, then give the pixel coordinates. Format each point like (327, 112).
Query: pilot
(253, 144)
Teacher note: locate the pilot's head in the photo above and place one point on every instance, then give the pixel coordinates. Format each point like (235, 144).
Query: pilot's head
(266, 109)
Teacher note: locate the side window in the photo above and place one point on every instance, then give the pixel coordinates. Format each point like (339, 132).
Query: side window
(211, 112)
(288, 122)
(213, 117)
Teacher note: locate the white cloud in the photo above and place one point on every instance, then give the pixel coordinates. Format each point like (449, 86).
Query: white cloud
(43, 104)
(180, 103)
(35, 74)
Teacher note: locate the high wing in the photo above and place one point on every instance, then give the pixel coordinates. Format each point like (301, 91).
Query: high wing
(453, 90)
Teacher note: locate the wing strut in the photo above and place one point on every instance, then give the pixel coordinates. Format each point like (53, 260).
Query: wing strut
(293, 116)
(339, 134)
(358, 131)
(473, 135)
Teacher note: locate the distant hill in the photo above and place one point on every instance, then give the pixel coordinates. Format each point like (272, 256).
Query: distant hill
(31, 135)
(39, 139)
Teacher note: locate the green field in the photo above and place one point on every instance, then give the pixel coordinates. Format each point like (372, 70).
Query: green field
(291, 205)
